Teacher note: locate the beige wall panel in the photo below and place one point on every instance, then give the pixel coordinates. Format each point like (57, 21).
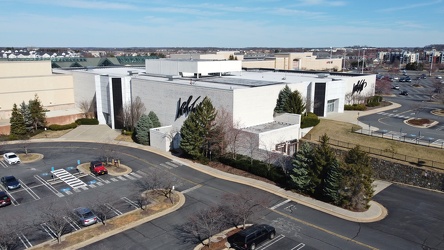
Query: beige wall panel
(21, 69)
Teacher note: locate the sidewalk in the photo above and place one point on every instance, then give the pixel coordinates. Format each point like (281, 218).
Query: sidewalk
(351, 116)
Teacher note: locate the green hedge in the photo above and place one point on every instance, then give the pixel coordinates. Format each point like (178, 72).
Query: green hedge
(56, 127)
(309, 120)
(255, 167)
(87, 121)
(360, 107)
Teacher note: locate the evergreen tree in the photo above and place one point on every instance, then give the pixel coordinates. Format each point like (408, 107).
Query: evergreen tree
(284, 94)
(324, 157)
(37, 113)
(18, 127)
(154, 119)
(142, 130)
(295, 104)
(302, 165)
(198, 130)
(24, 109)
(332, 184)
(357, 189)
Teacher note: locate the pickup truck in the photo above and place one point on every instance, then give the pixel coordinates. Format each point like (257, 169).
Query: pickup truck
(97, 168)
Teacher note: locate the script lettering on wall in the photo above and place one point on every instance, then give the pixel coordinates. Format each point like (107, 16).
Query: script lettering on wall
(186, 107)
(359, 86)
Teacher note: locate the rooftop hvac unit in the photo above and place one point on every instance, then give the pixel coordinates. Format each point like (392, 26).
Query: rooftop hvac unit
(323, 75)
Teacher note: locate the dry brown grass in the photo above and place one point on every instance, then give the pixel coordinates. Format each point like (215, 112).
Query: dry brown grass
(28, 157)
(51, 134)
(126, 138)
(341, 131)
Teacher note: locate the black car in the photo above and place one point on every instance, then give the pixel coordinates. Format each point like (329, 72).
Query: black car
(252, 236)
(404, 93)
(10, 182)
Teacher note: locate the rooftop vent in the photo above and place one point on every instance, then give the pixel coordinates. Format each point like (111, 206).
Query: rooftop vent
(323, 75)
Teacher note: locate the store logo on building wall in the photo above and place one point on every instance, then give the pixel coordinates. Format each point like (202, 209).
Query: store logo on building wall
(186, 107)
(359, 86)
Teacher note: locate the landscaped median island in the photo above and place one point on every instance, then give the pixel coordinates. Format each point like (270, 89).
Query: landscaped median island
(159, 206)
(30, 157)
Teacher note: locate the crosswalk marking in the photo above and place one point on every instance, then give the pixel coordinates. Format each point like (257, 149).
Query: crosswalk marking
(114, 179)
(165, 166)
(68, 178)
(136, 175)
(121, 178)
(129, 177)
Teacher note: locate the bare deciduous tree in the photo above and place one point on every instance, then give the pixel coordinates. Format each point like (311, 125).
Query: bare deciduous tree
(10, 230)
(87, 107)
(239, 208)
(159, 181)
(52, 220)
(130, 113)
(230, 132)
(203, 225)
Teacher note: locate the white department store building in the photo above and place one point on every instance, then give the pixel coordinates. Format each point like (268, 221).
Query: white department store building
(171, 88)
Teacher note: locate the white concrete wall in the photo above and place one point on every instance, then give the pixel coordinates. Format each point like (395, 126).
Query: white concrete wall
(269, 139)
(84, 87)
(174, 67)
(255, 106)
(103, 98)
(160, 138)
(162, 98)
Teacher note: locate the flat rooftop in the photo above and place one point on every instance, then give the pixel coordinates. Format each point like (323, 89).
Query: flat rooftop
(229, 80)
(270, 126)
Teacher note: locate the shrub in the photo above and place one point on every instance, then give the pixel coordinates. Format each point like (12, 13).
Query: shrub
(87, 121)
(57, 127)
(360, 107)
(127, 132)
(309, 120)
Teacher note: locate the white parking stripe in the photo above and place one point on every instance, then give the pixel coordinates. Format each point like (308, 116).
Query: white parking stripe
(165, 166)
(121, 178)
(132, 203)
(171, 164)
(46, 184)
(29, 190)
(191, 189)
(72, 223)
(299, 246)
(271, 242)
(48, 230)
(24, 240)
(279, 204)
(114, 179)
(115, 210)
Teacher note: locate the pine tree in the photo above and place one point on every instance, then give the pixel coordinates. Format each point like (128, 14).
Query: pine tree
(37, 113)
(198, 130)
(142, 130)
(18, 127)
(294, 104)
(357, 189)
(24, 109)
(284, 94)
(302, 165)
(154, 119)
(324, 157)
(332, 183)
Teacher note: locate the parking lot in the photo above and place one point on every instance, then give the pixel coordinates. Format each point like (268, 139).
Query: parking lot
(49, 184)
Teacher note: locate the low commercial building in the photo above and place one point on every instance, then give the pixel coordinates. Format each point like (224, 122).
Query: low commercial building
(173, 88)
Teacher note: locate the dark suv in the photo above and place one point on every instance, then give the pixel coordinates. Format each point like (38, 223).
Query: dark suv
(252, 236)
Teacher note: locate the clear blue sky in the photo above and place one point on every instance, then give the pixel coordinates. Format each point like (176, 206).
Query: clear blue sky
(228, 23)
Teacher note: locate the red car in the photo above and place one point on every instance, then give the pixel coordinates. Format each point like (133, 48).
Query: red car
(97, 168)
(4, 199)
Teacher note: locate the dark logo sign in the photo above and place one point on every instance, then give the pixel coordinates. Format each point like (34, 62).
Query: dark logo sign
(359, 86)
(184, 108)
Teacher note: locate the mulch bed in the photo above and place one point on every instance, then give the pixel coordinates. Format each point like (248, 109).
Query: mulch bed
(235, 171)
(419, 122)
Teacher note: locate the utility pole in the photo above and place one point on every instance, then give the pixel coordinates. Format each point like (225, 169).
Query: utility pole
(363, 61)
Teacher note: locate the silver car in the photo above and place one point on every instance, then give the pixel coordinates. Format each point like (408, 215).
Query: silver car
(85, 216)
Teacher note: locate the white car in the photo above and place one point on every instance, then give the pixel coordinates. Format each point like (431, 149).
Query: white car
(438, 77)
(11, 158)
